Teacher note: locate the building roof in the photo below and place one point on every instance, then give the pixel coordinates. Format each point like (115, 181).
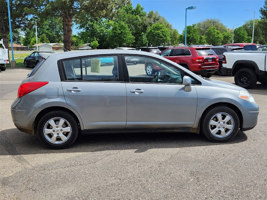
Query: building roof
(16, 45)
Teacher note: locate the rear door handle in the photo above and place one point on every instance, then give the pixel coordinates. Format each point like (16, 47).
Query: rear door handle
(137, 91)
(74, 90)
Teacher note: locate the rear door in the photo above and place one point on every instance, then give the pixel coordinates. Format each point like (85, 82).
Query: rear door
(94, 89)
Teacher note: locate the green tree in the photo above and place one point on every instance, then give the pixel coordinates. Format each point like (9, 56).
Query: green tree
(158, 34)
(263, 23)
(227, 37)
(202, 40)
(240, 35)
(192, 36)
(19, 13)
(135, 19)
(79, 10)
(258, 31)
(44, 39)
(203, 26)
(120, 35)
(96, 30)
(213, 36)
(94, 44)
(174, 37)
(76, 41)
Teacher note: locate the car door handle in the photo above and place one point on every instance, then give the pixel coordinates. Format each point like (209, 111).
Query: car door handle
(74, 90)
(137, 91)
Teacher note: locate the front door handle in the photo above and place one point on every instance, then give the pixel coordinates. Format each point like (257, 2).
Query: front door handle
(137, 91)
(74, 90)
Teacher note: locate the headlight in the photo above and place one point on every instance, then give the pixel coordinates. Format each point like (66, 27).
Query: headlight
(243, 94)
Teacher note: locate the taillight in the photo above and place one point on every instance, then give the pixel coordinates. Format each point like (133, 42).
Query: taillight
(199, 59)
(26, 88)
(6, 61)
(224, 59)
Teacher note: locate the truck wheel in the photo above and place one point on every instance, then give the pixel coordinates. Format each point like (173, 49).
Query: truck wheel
(220, 124)
(245, 78)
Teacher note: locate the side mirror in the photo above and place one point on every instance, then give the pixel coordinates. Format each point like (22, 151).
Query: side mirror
(187, 83)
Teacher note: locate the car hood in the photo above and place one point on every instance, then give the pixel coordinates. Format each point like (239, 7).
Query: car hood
(223, 84)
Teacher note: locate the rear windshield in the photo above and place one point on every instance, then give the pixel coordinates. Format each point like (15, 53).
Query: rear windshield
(205, 52)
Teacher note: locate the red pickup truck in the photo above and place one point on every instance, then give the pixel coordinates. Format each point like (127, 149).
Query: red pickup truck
(200, 60)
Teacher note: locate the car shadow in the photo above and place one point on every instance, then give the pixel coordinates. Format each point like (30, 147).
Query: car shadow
(259, 89)
(23, 144)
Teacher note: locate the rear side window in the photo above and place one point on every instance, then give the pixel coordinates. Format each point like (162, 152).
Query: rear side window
(205, 52)
(180, 52)
(92, 68)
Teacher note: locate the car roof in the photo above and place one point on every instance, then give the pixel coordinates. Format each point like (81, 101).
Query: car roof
(72, 54)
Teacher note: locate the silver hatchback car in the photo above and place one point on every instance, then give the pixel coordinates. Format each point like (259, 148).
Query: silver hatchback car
(102, 90)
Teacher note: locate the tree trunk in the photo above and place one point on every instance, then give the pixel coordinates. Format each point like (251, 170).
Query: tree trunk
(67, 30)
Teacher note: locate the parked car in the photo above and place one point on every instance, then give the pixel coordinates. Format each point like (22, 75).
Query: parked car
(150, 49)
(262, 48)
(4, 58)
(242, 46)
(70, 93)
(247, 67)
(219, 50)
(35, 57)
(200, 60)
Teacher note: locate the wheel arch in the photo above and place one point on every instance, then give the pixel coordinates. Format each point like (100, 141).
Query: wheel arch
(54, 108)
(229, 105)
(245, 64)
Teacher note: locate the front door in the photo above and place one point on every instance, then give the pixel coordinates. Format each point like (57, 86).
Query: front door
(159, 101)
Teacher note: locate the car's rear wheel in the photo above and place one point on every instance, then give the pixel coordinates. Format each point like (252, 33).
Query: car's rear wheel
(245, 78)
(220, 124)
(150, 69)
(58, 129)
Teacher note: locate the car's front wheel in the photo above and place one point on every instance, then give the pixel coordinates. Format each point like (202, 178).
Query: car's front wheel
(220, 124)
(57, 129)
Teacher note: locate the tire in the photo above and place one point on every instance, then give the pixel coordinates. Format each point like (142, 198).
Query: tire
(61, 129)
(245, 78)
(25, 64)
(149, 69)
(220, 124)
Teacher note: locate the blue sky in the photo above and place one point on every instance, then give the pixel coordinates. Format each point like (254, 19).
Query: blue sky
(232, 13)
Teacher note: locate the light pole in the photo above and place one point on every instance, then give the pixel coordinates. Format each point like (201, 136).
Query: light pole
(36, 35)
(185, 30)
(13, 62)
(253, 29)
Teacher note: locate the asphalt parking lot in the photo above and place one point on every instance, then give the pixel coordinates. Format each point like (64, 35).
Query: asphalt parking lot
(131, 166)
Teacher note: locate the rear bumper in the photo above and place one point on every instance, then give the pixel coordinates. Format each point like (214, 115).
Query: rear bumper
(204, 72)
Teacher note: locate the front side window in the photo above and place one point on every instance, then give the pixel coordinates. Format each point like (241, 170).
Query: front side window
(150, 70)
(103, 68)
